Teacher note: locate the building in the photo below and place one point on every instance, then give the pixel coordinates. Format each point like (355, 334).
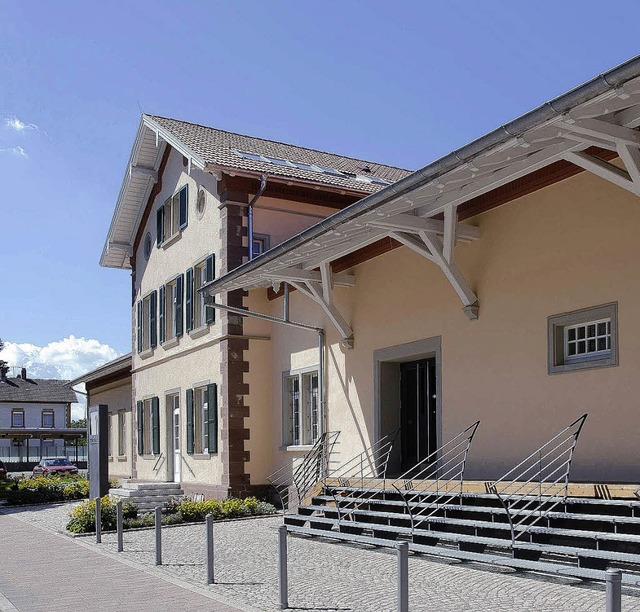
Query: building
(35, 422)
(110, 384)
(196, 203)
(498, 284)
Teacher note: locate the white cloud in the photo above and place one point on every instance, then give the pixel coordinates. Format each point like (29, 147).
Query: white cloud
(63, 359)
(19, 151)
(19, 126)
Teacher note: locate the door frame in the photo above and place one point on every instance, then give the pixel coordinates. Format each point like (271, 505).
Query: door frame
(411, 351)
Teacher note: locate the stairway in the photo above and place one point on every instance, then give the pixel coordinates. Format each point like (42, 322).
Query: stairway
(580, 537)
(147, 495)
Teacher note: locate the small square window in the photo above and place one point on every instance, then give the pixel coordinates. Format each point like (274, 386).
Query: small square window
(47, 418)
(583, 339)
(17, 418)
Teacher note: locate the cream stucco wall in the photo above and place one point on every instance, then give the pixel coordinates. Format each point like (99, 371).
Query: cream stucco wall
(195, 358)
(569, 246)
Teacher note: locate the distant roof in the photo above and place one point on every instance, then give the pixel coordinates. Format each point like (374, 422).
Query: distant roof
(36, 390)
(225, 150)
(120, 364)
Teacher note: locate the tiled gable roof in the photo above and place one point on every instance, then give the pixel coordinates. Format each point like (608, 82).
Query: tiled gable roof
(38, 390)
(220, 148)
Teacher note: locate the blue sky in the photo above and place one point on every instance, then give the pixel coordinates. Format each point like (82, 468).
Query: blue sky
(401, 83)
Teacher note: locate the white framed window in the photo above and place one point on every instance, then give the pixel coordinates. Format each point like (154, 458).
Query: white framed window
(172, 215)
(170, 316)
(17, 418)
(122, 433)
(199, 313)
(590, 340)
(583, 339)
(146, 322)
(148, 425)
(260, 244)
(48, 417)
(301, 408)
(201, 419)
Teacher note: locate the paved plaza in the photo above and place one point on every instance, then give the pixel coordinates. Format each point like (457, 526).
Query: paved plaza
(41, 569)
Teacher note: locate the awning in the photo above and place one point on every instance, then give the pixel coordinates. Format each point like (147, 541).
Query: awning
(587, 126)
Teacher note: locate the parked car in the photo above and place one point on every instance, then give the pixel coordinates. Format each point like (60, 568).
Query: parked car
(54, 465)
(3, 471)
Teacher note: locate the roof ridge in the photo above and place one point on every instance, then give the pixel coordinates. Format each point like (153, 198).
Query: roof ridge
(286, 144)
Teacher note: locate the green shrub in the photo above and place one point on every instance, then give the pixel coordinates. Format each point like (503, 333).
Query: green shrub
(194, 511)
(82, 517)
(42, 489)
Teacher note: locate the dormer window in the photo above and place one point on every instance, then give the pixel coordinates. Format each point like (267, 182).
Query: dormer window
(171, 217)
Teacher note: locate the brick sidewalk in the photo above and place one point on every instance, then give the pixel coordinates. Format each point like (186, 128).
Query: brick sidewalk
(41, 570)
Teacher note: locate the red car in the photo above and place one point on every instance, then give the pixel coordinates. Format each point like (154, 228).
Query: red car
(55, 465)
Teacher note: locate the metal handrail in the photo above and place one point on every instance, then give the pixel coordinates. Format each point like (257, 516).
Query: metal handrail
(311, 470)
(359, 470)
(435, 477)
(156, 464)
(524, 491)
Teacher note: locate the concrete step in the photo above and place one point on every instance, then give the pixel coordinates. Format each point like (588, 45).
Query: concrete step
(147, 495)
(132, 493)
(143, 486)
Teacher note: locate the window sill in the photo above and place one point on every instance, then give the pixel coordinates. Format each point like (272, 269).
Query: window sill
(146, 353)
(198, 332)
(298, 448)
(110, 458)
(169, 241)
(121, 458)
(202, 456)
(168, 344)
(585, 364)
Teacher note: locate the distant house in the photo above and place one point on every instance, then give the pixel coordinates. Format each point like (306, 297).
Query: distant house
(110, 384)
(35, 420)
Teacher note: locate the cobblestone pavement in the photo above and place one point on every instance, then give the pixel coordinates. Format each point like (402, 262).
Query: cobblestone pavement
(330, 576)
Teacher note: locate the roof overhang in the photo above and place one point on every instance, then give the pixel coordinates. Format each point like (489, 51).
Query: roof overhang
(420, 210)
(140, 176)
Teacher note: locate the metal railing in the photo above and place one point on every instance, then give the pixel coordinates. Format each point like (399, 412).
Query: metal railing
(360, 473)
(159, 462)
(305, 476)
(434, 482)
(533, 488)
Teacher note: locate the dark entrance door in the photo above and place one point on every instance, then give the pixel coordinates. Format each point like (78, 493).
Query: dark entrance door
(417, 411)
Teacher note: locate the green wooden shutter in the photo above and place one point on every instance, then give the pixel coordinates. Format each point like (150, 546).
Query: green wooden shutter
(155, 424)
(139, 322)
(212, 422)
(210, 311)
(184, 206)
(189, 299)
(160, 226)
(140, 425)
(161, 307)
(178, 307)
(153, 327)
(190, 423)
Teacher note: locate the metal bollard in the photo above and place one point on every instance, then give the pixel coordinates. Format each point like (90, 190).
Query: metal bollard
(98, 521)
(158, 512)
(282, 567)
(209, 522)
(614, 590)
(403, 577)
(119, 524)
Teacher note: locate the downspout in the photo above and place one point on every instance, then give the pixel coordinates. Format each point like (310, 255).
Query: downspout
(254, 200)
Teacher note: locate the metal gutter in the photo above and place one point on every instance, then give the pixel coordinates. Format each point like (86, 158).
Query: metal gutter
(554, 108)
